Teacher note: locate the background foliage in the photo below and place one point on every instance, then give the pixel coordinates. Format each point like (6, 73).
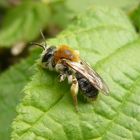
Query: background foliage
(115, 35)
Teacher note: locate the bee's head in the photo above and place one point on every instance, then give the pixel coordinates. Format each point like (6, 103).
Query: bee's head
(48, 54)
(47, 58)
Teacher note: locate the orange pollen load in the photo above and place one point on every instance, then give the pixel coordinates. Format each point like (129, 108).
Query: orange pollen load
(64, 52)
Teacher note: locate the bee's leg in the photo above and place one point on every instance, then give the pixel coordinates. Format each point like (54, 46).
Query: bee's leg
(59, 68)
(70, 79)
(74, 91)
(62, 77)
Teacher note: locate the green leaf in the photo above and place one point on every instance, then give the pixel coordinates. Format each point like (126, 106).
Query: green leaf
(135, 18)
(60, 14)
(107, 40)
(23, 23)
(81, 5)
(11, 83)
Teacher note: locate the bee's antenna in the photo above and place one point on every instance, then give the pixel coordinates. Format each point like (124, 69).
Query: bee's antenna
(42, 46)
(43, 38)
(34, 43)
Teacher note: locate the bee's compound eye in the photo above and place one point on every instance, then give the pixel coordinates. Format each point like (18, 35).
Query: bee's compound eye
(46, 57)
(49, 53)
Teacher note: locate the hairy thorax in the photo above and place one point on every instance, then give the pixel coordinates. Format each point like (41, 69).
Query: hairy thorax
(64, 52)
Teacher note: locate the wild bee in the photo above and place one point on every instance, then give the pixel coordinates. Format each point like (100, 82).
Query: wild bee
(80, 75)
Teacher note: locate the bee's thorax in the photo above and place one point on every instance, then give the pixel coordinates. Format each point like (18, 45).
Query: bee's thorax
(64, 52)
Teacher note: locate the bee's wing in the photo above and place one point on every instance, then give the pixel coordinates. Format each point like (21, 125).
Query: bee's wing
(84, 69)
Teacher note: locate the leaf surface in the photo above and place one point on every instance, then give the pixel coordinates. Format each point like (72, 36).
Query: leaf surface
(23, 23)
(81, 5)
(107, 40)
(135, 18)
(12, 82)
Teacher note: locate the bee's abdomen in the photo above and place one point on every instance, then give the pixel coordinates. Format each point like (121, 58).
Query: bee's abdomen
(86, 87)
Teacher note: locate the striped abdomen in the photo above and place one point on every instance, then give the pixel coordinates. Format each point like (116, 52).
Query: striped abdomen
(86, 87)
